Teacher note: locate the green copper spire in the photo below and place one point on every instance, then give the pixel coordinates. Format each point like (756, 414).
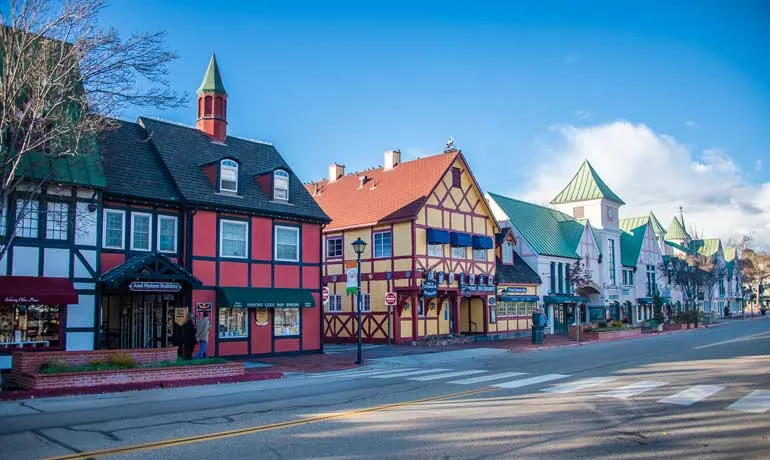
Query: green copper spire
(676, 231)
(212, 81)
(586, 185)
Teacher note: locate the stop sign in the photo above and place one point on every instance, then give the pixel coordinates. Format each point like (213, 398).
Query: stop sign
(325, 294)
(390, 298)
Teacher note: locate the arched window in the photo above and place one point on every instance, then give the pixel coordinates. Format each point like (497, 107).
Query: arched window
(200, 106)
(228, 176)
(219, 108)
(281, 185)
(507, 252)
(207, 106)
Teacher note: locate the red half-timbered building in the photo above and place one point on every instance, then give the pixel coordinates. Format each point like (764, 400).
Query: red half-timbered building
(197, 220)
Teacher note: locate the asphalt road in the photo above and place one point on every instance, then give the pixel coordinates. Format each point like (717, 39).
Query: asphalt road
(698, 394)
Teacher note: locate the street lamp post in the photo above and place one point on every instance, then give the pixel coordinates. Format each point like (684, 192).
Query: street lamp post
(359, 246)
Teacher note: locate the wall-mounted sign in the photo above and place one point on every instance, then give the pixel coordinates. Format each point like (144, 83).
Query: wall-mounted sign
(429, 289)
(325, 295)
(180, 315)
(200, 307)
(263, 316)
(491, 301)
(154, 286)
(513, 290)
(22, 299)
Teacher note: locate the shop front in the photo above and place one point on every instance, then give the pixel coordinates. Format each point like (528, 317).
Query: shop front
(140, 299)
(33, 311)
(515, 305)
(564, 309)
(261, 321)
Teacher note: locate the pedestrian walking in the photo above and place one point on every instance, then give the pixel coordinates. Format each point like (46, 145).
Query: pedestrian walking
(202, 335)
(184, 338)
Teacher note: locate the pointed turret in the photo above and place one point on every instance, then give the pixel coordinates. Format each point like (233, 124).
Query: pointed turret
(212, 103)
(586, 186)
(676, 231)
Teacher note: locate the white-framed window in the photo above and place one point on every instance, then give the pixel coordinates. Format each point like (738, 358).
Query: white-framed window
(458, 252)
(421, 307)
(286, 322)
(114, 226)
(57, 220)
(233, 238)
(507, 252)
(335, 303)
(281, 185)
(436, 250)
(334, 247)
(502, 309)
(141, 229)
(480, 254)
(366, 302)
(233, 322)
(286, 244)
(228, 176)
(167, 232)
(27, 218)
(383, 244)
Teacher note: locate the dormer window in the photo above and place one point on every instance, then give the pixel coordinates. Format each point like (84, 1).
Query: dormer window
(228, 176)
(508, 252)
(281, 185)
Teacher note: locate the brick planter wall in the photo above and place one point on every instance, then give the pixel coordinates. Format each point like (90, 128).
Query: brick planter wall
(596, 335)
(36, 381)
(29, 362)
(673, 327)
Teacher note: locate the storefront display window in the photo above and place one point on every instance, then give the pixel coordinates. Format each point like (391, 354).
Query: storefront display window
(233, 323)
(286, 321)
(29, 325)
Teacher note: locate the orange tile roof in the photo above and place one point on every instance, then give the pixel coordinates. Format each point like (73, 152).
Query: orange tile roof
(387, 196)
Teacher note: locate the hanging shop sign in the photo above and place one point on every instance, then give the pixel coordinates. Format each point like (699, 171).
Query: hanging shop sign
(200, 307)
(429, 288)
(262, 316)
(440, 277)
(180, 315)
(351, 271)
(154, 286)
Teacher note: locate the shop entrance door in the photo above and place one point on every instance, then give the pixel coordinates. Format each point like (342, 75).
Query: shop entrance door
(560, 319)
(138, 321)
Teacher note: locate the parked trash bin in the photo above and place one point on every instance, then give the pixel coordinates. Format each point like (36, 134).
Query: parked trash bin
(538, 327)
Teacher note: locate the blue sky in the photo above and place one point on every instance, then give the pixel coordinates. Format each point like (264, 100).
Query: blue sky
(330, 81)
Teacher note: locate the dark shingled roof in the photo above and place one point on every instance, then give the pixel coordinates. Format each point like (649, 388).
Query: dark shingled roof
(181, 152)
(519, 272)
(132, 166)
(156, 262)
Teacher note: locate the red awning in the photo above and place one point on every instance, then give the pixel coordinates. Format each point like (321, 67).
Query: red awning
(33, 289)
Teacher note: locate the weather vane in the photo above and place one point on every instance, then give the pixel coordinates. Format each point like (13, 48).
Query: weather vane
(450, 145)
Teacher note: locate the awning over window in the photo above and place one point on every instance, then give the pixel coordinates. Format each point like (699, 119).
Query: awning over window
(482, 242)
(551, 299)
(462, 240)
(264, 297)
(34, 290)
(151, 266)
(436, 236)
(647, 300)
(518, 298)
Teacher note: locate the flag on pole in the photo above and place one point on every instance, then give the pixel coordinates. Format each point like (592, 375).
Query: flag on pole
(351, 269)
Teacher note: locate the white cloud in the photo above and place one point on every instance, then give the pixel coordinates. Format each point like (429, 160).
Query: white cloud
(652, 171)
(582, 115)
(689, 123)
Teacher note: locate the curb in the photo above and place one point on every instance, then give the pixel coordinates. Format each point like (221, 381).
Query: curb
(15, 395)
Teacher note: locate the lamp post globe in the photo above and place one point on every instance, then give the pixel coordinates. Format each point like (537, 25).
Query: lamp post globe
(359, 246)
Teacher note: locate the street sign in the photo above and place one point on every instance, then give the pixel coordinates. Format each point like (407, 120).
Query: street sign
(325, 294)
(390, 298)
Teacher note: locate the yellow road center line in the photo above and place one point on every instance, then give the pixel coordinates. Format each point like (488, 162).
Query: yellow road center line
(257, 429)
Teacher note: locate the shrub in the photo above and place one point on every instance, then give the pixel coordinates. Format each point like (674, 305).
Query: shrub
(602, 325)
(617, 324)
(589, 329)
(122, 360)
(54, 365)
(98, 362)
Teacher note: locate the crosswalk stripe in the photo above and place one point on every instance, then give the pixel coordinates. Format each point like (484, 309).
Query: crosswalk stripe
(407, 374)
(530, 381)
(756, 402)
(634, 389)
(362, 372)
(426, 378)
(579, 385)
(487, 378)
(692, 395)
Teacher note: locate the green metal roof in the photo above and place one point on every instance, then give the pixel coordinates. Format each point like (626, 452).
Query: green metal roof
(676, 231)
(548, 231)
(586, 185)
(630, 223)
(631, 242)
(730, 254)
(212, 81)
(707, 247)
(678, 246)
(657, 227)
(82, 169)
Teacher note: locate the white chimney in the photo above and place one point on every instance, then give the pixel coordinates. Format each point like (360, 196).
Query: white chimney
(392, 158)
(335, 172)
(361, 181)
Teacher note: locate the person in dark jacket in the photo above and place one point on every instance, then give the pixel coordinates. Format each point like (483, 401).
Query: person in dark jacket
(184, 338)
